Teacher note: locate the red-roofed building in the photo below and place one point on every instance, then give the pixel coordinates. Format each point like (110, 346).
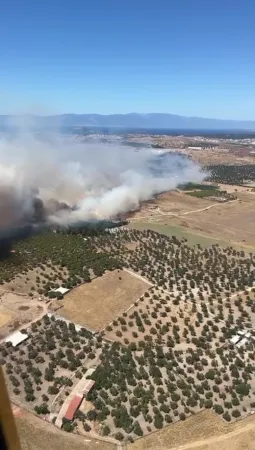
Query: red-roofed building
(72, 408)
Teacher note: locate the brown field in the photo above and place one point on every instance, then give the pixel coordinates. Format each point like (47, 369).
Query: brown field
(5, 316)
(204, 431)
(232, 222)
(97, 303)
(172, 203)
(36, 434)
(16, 311)
(227, 223)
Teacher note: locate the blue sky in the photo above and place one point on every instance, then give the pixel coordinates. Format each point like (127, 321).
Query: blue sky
(189, 57)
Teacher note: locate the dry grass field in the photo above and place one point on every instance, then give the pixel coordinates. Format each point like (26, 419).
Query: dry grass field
(177, 213)
(204, 431)
(231, 222)
(17, 310)
(5, 316)
(172, 202)
(97, 303)
(36, 434)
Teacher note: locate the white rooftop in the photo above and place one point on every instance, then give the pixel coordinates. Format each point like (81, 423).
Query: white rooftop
(62, 290)
(16, 338)
(242, 342)
(235, 339)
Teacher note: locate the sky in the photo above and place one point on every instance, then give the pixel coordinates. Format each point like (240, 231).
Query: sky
(187, 57)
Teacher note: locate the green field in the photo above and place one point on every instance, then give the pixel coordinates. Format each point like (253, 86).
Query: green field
(179, 232)
(204, 193)
(182, 233)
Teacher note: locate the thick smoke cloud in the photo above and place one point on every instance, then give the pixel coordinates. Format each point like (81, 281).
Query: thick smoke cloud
(58, 179)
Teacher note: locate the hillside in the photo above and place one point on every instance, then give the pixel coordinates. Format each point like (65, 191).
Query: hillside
(132, 120)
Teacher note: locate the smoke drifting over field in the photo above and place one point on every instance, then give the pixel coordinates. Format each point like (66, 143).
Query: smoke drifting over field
(58, 179)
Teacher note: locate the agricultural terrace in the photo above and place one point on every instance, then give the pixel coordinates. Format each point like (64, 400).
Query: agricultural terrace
(96, 304)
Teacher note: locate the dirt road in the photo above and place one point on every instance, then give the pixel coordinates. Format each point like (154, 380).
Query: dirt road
(181, 214)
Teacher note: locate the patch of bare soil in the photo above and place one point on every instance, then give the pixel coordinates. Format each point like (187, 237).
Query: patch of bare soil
(204, 431)
(15, 311)
(95, 304)
(37, 434)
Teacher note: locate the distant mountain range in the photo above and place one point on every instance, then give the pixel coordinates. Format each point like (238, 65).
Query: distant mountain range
(132, 120)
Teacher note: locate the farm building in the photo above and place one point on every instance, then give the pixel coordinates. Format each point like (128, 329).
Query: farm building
(73, 406)
(82, 389)
(16, 338)
(241, 338)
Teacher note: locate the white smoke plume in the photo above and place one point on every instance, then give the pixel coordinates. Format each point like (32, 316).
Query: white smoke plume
(100, 180)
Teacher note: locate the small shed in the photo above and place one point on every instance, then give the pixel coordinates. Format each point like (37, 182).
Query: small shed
(16, 338)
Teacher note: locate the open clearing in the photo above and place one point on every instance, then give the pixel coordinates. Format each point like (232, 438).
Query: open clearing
(5, 316)
(16, 311)
(228, 223)
(97, 303)
(36, 434)
(232, 222)
(204, 431)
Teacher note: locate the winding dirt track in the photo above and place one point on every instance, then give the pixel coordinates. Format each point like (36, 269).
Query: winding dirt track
(181, 214)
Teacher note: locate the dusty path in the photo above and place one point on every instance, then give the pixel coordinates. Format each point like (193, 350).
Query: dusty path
(181, 214)
(138, 276)
(113, 441)
(217, 442)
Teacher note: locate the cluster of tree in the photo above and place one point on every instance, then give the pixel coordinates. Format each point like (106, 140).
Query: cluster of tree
(231, 174)
(52, 345)
(134, 380)
(63, 259)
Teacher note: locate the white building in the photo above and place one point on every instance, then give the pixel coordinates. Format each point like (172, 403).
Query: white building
(235, 339)
(16, 338)
(62, 290)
